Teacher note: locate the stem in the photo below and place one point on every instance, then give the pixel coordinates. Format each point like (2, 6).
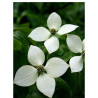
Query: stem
(83, 53)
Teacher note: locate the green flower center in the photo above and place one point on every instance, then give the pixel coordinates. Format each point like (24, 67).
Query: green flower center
(53, 31)
(40, 69)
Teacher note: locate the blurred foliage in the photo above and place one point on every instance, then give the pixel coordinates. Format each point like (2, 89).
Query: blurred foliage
(28, 16)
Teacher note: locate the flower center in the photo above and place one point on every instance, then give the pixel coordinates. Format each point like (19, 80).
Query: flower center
(53, 31)
(40, 69)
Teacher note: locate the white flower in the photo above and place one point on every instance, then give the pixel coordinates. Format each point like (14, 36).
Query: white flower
(43, 75)
(54, 24)
(76, 45)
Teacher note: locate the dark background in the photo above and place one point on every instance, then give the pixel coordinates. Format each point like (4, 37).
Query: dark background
(26, 17)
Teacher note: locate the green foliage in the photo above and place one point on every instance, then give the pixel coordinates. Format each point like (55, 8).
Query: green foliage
(62, 90)
(17, 44)
(28, 16)
(81, 81)
(34, 93)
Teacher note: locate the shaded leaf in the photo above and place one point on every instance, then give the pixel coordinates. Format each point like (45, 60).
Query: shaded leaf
(81, 81)
(62, 90)
(24, 28)
(71, 79)
(35, 93)
(17, 44)
(21, 37)
(39, 5)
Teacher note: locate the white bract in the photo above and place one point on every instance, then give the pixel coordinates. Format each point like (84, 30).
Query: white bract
(54, 24)
(43, 75)
(76, 45)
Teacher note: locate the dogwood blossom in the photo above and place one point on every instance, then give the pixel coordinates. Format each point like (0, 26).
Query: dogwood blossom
(76, 45)
(54, 24)
(43, 75)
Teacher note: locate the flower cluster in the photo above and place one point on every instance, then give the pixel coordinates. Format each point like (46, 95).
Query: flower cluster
(49, 36)
(44, 74)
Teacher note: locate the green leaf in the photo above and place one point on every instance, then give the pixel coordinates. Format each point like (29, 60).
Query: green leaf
(21, 25)
(62, 90)
(17, 44)
(39, 5)
(35, 93)
(71, 79)
(20, 92)
(24, 28)
(81, 81)
(21, 37)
